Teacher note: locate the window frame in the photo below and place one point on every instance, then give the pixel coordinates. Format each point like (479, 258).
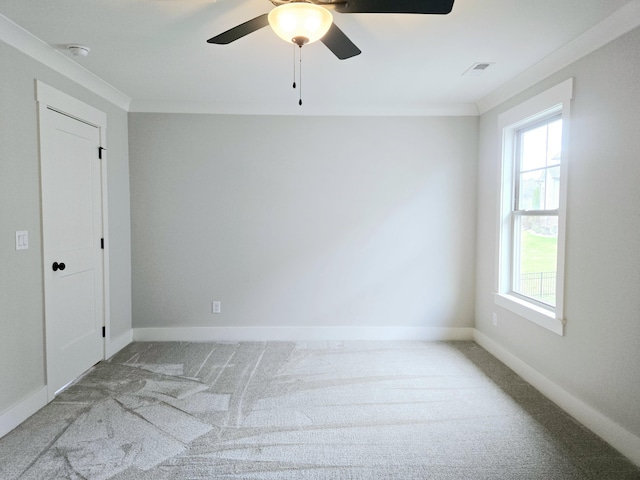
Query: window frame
(554, 102)
(518, 212)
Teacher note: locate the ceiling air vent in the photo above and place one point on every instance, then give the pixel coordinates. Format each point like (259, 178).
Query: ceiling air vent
(477, 69)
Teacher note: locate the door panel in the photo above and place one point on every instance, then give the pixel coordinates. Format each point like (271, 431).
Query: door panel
(74, 294)
(72, 228)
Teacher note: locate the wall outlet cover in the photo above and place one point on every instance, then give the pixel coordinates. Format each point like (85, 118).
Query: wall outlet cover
(216, 307)
(22, 240)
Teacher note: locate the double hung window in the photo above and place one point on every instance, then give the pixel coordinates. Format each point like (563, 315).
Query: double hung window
(535, 212)
(530, 270)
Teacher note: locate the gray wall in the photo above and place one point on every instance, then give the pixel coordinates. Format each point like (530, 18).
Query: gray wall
(319, 221)
(22, 368)
(598, 360)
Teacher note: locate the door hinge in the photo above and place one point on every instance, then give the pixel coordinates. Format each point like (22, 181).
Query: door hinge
(100, 149)
(104, 332)
(102, 243)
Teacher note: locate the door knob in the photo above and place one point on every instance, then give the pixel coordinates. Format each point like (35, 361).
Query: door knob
(58, 266)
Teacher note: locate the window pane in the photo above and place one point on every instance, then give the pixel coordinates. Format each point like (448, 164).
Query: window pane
(533, 148)
(532, 190)
(540, 189)
(536, 251)
(554, 146)
(552, 188)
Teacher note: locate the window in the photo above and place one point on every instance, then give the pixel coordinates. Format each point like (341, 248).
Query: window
(535, 211)
(530, 271)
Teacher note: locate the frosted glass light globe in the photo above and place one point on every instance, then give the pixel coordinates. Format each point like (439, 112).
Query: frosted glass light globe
(300, 20)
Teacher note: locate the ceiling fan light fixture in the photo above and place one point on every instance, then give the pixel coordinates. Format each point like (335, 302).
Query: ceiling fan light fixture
(300, 22)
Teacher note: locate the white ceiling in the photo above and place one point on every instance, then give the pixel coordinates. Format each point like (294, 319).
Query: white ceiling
(155, 52)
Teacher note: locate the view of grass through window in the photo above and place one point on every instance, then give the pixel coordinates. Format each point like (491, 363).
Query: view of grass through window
(538, 266)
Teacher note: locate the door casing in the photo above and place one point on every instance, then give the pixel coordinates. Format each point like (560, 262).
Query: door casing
(51, 98)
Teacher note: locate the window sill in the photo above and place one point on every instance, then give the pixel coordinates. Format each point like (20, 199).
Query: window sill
(538, 315)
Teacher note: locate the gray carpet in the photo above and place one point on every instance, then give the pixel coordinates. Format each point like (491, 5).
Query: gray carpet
(327, 410)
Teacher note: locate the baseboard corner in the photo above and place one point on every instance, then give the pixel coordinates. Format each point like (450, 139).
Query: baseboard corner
(115, 345)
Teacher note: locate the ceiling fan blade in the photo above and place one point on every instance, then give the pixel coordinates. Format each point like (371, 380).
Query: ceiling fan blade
(240, 31)
(441, 7)
(336, 41)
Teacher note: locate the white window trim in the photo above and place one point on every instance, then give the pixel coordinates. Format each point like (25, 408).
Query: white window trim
(555, 100)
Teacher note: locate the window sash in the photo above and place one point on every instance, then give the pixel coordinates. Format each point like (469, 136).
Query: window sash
(518, 135)
(515, 277)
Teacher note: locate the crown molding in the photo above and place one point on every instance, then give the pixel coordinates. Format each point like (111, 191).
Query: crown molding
(436, 109)
(24, 41)
(614, 26)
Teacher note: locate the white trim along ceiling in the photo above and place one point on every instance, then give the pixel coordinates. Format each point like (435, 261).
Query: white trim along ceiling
(622, 21)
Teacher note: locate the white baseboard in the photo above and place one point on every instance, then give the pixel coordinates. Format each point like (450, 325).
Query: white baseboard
(14, 416)
(17, 414)
(615, 435)
(234, 334)
(117, 344)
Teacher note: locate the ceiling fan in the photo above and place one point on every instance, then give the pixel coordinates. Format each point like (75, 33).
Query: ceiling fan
(334, 39)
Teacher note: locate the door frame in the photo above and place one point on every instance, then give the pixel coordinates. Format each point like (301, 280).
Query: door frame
(48, 97)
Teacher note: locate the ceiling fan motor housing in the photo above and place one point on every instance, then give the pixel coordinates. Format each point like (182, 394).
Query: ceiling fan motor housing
(300, 40)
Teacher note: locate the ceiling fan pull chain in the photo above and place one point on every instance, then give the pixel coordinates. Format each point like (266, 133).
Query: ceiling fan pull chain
(300, 101)
(294, 65)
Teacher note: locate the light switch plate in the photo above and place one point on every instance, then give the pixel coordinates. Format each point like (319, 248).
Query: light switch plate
(22, 240)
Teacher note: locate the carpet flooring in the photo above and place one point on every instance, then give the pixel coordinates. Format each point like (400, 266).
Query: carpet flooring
(309, 411)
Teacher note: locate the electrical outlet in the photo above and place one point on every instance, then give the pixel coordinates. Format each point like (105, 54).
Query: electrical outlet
(22, 240)
(495, 319)
(216, 307)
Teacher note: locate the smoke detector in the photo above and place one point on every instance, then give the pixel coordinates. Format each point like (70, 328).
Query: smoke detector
(477, 69)
(78, 50)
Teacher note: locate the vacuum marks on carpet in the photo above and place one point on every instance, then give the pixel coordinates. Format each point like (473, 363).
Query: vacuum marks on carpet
(278, 410)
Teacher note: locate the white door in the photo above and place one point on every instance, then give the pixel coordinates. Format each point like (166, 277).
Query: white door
(72, 231)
